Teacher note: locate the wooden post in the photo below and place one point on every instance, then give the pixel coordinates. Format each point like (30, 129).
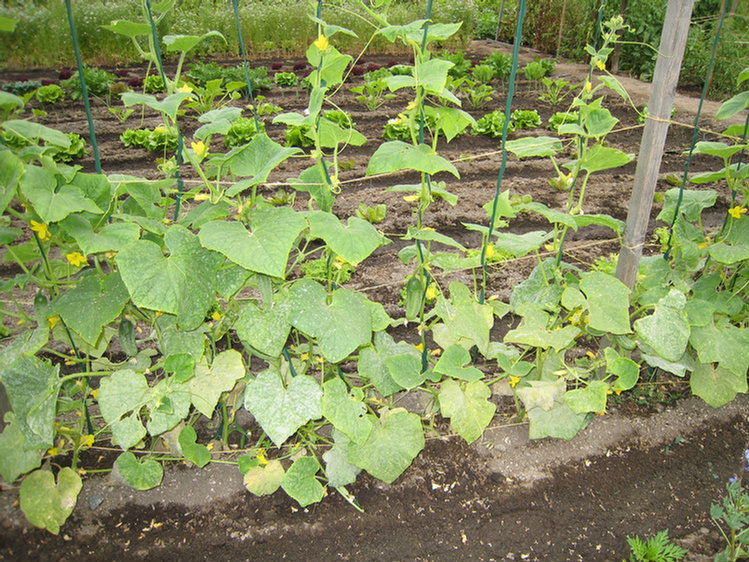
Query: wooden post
(665, 78)
(499, 19)
(561, 27)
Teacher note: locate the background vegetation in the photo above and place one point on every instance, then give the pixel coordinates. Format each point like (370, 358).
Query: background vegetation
(281, 28)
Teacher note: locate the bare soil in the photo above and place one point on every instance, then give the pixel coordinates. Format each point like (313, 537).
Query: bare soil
(635, 471)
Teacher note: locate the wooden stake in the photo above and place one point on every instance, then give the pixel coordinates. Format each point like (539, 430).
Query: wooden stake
(665, 78)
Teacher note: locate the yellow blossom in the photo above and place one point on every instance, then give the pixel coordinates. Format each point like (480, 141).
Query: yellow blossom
(41, 229)
(76, 259)
(514, 381)
(185, 89)
(202, 197)
(216, 315)
(53, 320)
(110, 255)
(52, 451)
(431, 293)
(199, 148)
(411, 198)
(262, 459)
(588, 87)
(87, 440)
(411, 105)
(737, 211)
(601, 65)
(304, 356)
(321, 42)
(420, 347)
(160, 129)
(436, 352)
(95, 393)
(490, 251)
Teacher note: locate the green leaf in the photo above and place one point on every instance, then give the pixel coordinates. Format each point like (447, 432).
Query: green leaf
(263, 480)
(433, 75)
(312, 181)
(597, 120)
(599, 157)
(560, 422)
(539, 289)
(32, 386)
(266, 248)
(185, 43)
(532, 331)
(614, 84)
(667, 329)
(15, 458)
(338, 470)
(392, 446)
(7, 25)
(92, 304)
(168, 405)
(265, 330)
(345, 412)
(719, 149)
(372, 365)
(47, 505)
(519, 245)
(300, 481)
(11, 170)
(128, 28)
(552, 215)
(731, 107)
(174, 341)
(608, 302)
(51, 203)
(121, 393)
(280, 410)
(729, 254)
(169, 105)
(602, 220)
(340, 328)
(538, 147)
(139, 474)
(194, 452)
(453, 364)
(542, 394)
(591, 398)
(469, 409)
(692, 203)
(182, 284)
(405, 370)
(111, 238)
(429, 235)
(256, 160)
(393, 156)
(34, 131)
(716, 386)
(211, 381)
(353, 242)
(467, 321)
(626, 370)
(722, 343)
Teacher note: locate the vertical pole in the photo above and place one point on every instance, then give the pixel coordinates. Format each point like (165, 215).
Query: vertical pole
(665, 78)
(561, 28)
(499, 19)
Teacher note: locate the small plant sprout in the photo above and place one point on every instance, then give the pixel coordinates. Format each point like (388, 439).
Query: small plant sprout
(656, 549)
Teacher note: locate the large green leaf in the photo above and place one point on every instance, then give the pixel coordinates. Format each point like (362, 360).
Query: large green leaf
(393, 156)
(533, 331)
(169, 105)
(453, 363)
(722, 343)
(690, 202)
(338, 470)
(141, 475)
(11, 170)
(255, 161)
(32, 386)
(193, 451)
(518, 245)
(468, 408)
(264, 249)
(185, 43)
(372, 362)
(731, 107)
(392, 446)
(53, 203)
(599, 157)
(47, 504)
(405, 370)
(607, 301)
(716, 386)
(344, 411)
(468, 322)
(15, 458)
(35, 131)
(353, 242)
(590, 398)
(265, 330)
(168, 404)
(667, 330)
(182, 284)
(263, 480)
(301, 483)
(559, 422)
(128, 28)
(340, 328)
(528, 147)
(280, 410)
(210, 381)
(120, 397)
(92, 304)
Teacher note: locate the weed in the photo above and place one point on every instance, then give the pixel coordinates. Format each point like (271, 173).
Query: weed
(656, 549)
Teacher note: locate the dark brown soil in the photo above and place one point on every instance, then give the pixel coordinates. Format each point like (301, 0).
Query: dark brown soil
(454, 503)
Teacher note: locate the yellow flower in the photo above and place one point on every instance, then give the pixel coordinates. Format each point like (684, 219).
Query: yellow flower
(411, 198)
(95, 393)
(588, 87)
(160, 129)
(216, 315)
(735, 212)
(41, 229)
(411, 105)
(514, 381)
(262, 459)
(420, 347)
(436, 352)
(76, 259)
(321, 42)
(490, 251)
(185, 89)
(53, 320)
(87, 440)
(201, 197)
(431, 293)
(304, 356)
(52, 451)
(199, 148)
(601, 65)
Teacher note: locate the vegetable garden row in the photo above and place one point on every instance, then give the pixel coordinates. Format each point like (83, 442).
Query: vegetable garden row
(231, 276)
